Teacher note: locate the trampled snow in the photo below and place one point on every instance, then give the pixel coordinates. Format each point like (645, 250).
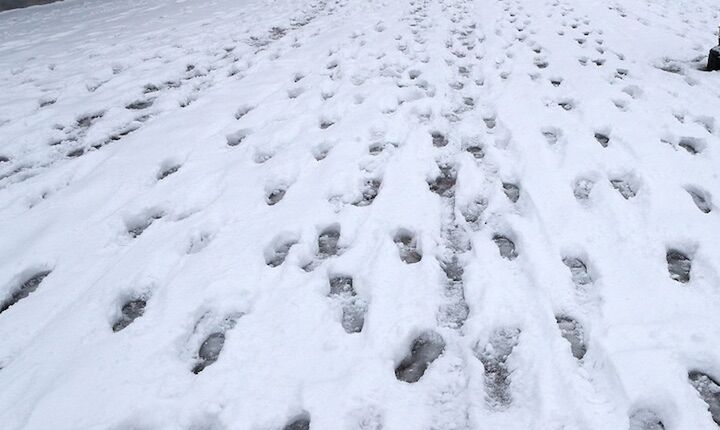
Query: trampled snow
(359, 214)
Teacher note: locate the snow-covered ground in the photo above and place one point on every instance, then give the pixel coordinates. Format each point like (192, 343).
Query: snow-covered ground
(359, 214)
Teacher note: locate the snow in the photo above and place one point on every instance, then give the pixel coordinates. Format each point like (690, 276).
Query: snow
(370, 214)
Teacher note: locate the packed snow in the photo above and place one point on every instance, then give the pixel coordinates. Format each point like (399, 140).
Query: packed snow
(359, 214)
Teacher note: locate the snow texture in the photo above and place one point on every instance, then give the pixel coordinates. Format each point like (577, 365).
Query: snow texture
(359, 214)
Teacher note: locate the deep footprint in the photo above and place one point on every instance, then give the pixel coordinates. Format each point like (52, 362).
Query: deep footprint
(209, 351)
(425, 349)
(578, 271)
(679, 265)
(370, 191)
(701, 199)
(276, 254)
(274, 196)
(573, 332)
(407, 246)
(506, 247)
(512, 191)
(301, 422)
(26, 287)
(130, 311)
(444, 185)
(328, 242)
(494, 356)
(353, 308)
(709, 391)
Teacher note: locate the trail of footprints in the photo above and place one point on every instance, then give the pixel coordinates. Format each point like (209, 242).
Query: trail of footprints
(494, 353)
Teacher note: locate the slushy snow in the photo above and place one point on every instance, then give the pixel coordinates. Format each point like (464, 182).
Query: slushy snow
(360, 215)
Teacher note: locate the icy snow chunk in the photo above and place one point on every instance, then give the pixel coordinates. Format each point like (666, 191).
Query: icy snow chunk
(407, 246)
(130, 311)
(425, 349)
(209, 351)
(512, 191)
(494, 356)
(300, 422)
(679, 265)
(29, 285)
(578, 270)
(645, 419)
(709, 391)
(701, 198)
(572, 331)
(505, 246)
(444, 184)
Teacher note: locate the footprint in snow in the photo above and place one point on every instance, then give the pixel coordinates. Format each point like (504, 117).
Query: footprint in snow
(472, 211)
(132, 309)
(679, 265)
(167, 168)
(439, 140)
(213, 344)
(235, 139)
(627, 186)
(278, 250)
(274, 195)
(578, 270)
(407, 246)
(26, 287)
(645, 419)
(506, 247)
(701, 198)
(493, 356)
(709, 391)
(424, 350)
(582, 188)
(370, 190)
(512, 191)
(138, 225)
(444, 184)
(573, 332)
(353, 308)
(300, 422)
(603, 138)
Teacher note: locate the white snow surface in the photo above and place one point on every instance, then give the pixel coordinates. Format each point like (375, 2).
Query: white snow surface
(140, 143)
